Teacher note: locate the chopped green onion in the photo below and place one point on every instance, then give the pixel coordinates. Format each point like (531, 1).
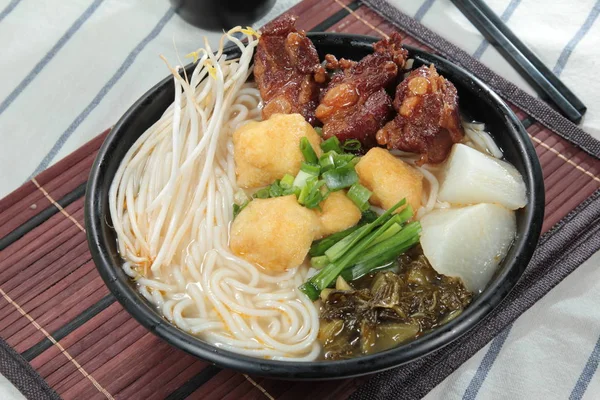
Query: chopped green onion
(275, 189)
(341, 160)
(333, 143)
(326, 161)
(323, 195)
(287, 181)
(307, 151)
(313, 169)
(314, 199)
(352, 145)
(360, 196)
(301, 178)
(311, 196)
(319, 130)
(262, 193)
(306, 188)
(340, 178)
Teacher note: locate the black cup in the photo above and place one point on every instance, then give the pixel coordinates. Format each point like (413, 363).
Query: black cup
(222, 14)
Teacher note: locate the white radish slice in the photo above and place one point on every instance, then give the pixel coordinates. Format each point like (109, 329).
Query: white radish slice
(468, 242)
(471, 177)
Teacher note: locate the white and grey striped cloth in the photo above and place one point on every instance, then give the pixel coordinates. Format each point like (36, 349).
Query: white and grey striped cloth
(71, 68)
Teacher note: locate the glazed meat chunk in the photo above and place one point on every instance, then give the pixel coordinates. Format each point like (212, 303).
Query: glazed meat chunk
(428, 120)
(355, 104)
(287, 70)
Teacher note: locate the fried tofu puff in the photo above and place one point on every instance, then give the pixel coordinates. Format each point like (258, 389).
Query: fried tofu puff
(390, 179)
(274, 233)
(267, 150)
(337, 213)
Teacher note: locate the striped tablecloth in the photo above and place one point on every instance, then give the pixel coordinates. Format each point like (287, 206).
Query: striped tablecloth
(56, 312)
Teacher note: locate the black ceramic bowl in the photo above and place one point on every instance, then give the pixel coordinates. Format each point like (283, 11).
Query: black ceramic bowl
(477, 101)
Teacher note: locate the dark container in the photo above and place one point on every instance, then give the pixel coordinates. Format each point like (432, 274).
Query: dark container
(217, 15)
(477, 101)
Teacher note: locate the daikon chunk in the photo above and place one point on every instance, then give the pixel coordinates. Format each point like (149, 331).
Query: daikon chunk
(468, 242)
(472, 177)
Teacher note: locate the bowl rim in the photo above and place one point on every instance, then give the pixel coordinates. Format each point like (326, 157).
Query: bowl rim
(316, 370)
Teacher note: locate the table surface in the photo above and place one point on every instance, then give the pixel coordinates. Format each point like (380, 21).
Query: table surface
(71, 70)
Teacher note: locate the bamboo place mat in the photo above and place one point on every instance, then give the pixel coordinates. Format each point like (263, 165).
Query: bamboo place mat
(58, 315)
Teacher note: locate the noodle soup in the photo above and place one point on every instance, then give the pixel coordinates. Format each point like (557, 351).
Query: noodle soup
(245, 219)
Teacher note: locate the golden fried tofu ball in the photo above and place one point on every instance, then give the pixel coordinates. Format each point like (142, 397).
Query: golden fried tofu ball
(275, 233)
(390, 179)
(267, 150)
(337, 213)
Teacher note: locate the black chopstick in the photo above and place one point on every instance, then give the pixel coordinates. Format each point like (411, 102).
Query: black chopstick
(528, 64)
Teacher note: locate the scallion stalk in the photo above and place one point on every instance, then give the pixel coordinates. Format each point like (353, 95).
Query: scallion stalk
(398, 219)
(357, 272)
(319, 262)
(384, 253)
(380, 249)
(319, 247)
(344, 254)
(368, 216)
(336, 251)
(310, 290)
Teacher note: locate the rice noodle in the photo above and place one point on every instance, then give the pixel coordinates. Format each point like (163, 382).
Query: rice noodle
(430, 192)
(171, 206)
(481, 140)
